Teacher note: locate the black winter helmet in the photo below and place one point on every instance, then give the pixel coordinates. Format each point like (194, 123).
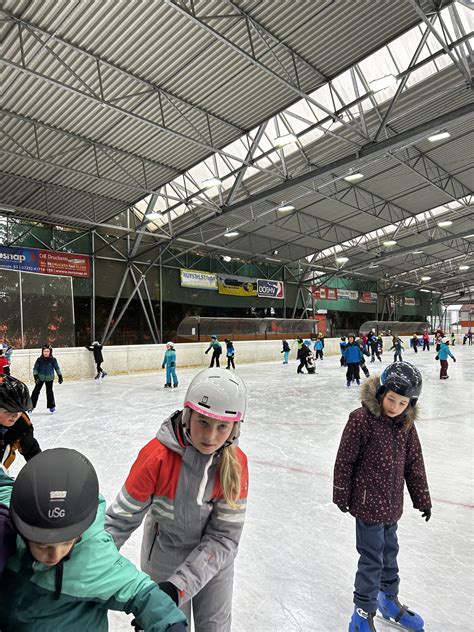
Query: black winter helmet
(402, 378)
(55, 496)
(14, 395)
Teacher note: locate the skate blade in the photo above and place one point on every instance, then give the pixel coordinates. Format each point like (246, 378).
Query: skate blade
(394, 625)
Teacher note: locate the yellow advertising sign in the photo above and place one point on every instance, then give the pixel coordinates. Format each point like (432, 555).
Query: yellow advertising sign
(236, 285)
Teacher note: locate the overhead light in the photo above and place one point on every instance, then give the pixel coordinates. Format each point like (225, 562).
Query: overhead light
(342, 259)
(469, 236)
(382, 83)
(417, 252)
(232, 233)
(374, 265)
(226, 258)
(154, 215)
(210, 183)
(271, 259)
(423, 290)
(444, 223)
(285, 139)
(463, 268)
(439, 136)
(354, 177)
(275, 252)
(389, 242)
(285, 207)
(425, 278)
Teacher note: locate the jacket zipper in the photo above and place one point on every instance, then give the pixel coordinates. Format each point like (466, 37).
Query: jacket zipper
(393, 468)
(363, 498)
(155, 535)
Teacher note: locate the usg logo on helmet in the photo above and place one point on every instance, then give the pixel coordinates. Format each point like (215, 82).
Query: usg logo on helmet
(57, 512)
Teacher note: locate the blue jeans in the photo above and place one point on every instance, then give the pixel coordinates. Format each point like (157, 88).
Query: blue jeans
(285, 357)
(377, 545)
(171, 373)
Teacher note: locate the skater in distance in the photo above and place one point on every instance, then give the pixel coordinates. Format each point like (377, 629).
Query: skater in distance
(378, 453)
(43, 373)
(96, 348)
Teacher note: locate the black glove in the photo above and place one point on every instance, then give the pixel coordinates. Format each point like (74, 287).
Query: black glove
(171, 590)
(60, 379)
(136, 625)
(436, 357)
(206, 351)
(426, 513)
(162, 366)
(454, 359)
(343, 508)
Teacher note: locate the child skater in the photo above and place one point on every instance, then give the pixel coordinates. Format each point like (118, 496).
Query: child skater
(353, 357)
(169, 361)
(16, 429)
(443, 354)
(63, 570)
(379, 451)
(216, 347)
(191, 483)
(285, 350)
(96, 347)
(342, 347)
(43, 373)
(230, 353)
(397, 346)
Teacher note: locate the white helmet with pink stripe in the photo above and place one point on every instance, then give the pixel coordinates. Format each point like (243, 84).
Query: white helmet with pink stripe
(218, 394)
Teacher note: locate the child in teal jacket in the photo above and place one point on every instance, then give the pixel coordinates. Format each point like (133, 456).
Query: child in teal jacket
(169, 361)
(443, 354)
(66, 572)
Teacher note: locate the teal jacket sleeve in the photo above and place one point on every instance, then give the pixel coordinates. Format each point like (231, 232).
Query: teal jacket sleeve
(56, 367)
(6, 486)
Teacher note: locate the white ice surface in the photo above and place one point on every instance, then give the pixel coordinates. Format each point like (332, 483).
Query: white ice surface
(297, 559)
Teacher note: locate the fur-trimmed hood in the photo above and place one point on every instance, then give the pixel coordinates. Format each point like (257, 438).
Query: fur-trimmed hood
(369, 400)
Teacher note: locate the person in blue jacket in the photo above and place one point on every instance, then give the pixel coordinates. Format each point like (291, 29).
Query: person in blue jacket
(286, 351)
(169, 361)
(443, 354)
(318, 348)
(63, 571)
(230, 353)
(353, 357)
(342, 346)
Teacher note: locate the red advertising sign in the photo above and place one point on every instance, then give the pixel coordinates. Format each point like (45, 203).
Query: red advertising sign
(367, 297)
(63, 263)
(324, 293)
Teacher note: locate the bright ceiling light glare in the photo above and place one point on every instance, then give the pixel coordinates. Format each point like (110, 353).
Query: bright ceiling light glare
(463, 267)
(283, 208)
(227, 259)
(284, 140)
(153, 215)
(383, 83)
(354, 177)
(439, 136)
(469, 236)
(210, 183)
(272, 259)
(417, 252)
(422, 290)
(445, 223)
(232, 233)
(342, 259)
(425, 278)
(390, 242)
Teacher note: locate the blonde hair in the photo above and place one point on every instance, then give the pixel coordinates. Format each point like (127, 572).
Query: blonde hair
(230, 475)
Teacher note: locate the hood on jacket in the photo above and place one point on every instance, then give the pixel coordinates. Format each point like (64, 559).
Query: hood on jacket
(369, 399)
(168, 433)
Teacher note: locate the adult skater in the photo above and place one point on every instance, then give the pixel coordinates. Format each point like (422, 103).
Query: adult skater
(318, 348)
(414, 343)
(426, 341)
(353, 357)
(216, 347)
(379, 450)
(3, 363)
(453, 338)
(43, 373)
(96, 348)
(169, 361)
(397, 346)
(16, 429)
(285, 350)
(304, 352)
(66, 572)
(443, 354)
(230, 353)
(342, 346)
(7, 352)
(191, 480)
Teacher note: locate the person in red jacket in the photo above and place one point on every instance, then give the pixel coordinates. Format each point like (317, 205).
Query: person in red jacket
(3, 363)
(378, 453)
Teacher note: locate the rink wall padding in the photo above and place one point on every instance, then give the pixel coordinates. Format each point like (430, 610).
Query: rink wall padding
(77, 363)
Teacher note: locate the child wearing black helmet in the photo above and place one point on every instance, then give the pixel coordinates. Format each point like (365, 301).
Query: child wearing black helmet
(66, 572)
(16, 429)
(378, 453)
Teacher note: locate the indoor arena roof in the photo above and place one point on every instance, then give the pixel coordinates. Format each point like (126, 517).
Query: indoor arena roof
(329, 109)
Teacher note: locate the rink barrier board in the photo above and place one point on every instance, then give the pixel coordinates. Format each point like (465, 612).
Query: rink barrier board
(77, 363)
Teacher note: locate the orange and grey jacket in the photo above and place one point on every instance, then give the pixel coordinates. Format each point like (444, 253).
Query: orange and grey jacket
(190, 532)
(18, 437)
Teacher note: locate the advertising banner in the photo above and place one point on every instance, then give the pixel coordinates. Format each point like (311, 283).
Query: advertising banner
(270, 289)
(236, 285)
(367, 297)
(351, 295)
(409, 300)
(324, 293)
(198, 279)
(45, 261)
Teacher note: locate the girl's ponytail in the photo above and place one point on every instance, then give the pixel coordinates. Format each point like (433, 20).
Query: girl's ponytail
(230, 475)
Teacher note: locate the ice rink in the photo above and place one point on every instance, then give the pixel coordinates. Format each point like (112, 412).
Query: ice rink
(297, 559)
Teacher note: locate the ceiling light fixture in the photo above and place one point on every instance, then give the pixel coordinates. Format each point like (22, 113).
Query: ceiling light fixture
(342, 259)
(285, 207)
(463, 267)
(389, 242)
(210, 183)
(232, 233)
(354, 177)
(382, 83)
(271, 259)
(439, 136)
(423, 290)
(444, 223)
(226, 258)
(417, 252)
(275, 252)
(425, 278)
(285, 139)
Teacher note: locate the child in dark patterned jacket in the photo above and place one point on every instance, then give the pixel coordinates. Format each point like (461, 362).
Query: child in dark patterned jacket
(378, 453)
